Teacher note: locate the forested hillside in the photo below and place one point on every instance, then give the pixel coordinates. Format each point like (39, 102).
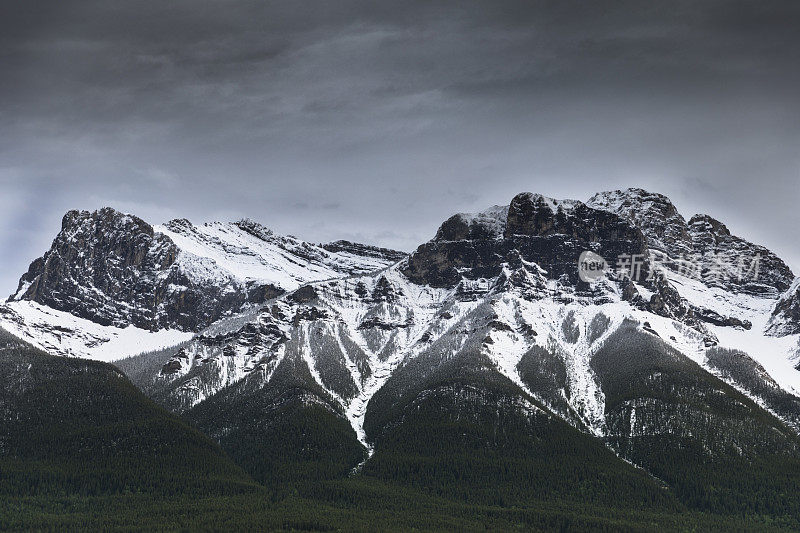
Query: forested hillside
(81, 448)
(71, 426)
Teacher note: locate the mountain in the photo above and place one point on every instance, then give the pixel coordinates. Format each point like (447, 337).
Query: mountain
(483, 368)
(492, 312)
(113, 284)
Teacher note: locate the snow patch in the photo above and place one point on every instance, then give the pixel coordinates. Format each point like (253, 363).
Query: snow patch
(60, 333)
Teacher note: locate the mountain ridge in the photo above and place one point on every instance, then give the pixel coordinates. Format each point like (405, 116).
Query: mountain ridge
(117, 271)
(492, 320)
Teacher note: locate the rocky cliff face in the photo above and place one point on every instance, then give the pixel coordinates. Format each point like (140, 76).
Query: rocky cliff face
(115, 269)
(110, 268)
(533, 229)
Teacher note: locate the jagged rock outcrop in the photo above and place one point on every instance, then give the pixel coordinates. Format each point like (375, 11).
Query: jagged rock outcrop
(653, 213)
(365, 250)
(550, 233)
(785, 318)
(712, 317)
(211, 362)
(111, 268)
(106, 246)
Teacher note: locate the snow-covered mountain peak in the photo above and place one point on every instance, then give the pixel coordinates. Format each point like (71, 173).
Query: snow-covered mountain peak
(244, 330)
(115, 269)
(498, 289)
(653, 213)
(702, 248)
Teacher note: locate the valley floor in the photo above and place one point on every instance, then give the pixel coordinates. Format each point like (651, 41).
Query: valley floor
(356, 504)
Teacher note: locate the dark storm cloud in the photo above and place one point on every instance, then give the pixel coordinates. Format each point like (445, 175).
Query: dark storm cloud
(376, 120)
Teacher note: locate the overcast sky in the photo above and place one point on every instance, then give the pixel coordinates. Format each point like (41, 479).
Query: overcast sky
(374, 121)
